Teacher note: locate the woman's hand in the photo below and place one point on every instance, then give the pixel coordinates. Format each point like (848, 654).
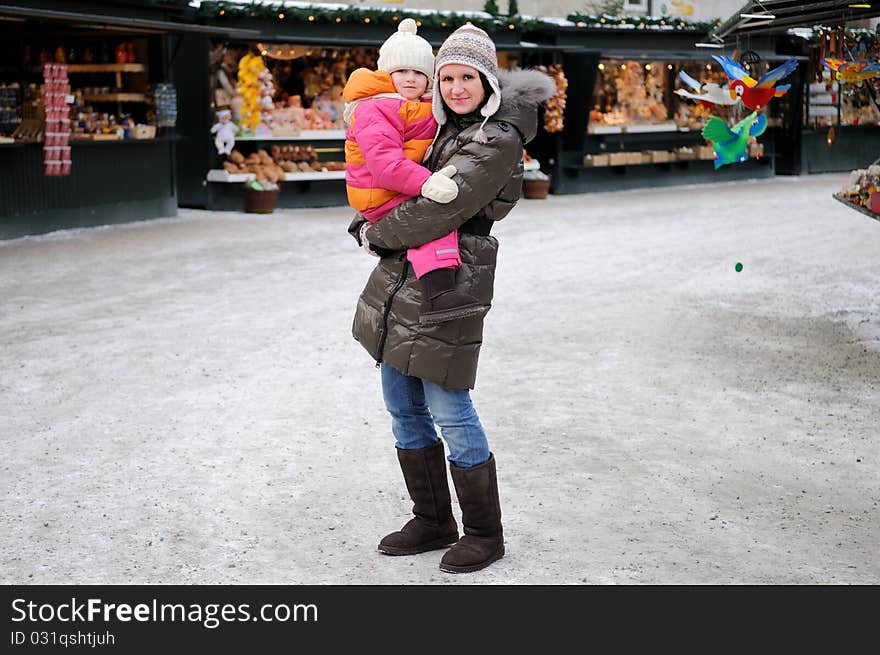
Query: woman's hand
(363, 239)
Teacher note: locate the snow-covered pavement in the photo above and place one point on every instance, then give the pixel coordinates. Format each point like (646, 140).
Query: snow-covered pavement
(182, 401)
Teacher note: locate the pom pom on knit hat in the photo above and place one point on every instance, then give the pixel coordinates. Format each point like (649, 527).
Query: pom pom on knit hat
(470, 46)
(404, 49)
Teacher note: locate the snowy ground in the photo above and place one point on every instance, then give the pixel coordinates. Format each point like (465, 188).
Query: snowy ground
(182, 401)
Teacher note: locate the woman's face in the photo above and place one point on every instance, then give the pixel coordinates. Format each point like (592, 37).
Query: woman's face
(461, 88)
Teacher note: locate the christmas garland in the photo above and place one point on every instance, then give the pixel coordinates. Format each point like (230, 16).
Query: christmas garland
(371, 15)
(606, 21)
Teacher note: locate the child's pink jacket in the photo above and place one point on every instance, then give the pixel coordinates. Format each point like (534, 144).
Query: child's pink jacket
(384, 143)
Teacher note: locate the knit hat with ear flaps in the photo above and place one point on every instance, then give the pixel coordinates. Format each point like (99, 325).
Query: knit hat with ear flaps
(404, 49)
(470, 46)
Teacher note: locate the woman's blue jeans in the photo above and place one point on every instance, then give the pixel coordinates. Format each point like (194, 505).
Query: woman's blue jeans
(417, 405)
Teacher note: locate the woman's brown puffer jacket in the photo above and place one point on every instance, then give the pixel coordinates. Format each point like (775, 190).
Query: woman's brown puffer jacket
(489, 177)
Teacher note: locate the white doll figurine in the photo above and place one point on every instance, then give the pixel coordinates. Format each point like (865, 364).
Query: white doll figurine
(225, 130)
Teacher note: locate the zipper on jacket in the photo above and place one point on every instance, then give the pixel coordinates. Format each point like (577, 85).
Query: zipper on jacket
(435, 156)
(397, 286)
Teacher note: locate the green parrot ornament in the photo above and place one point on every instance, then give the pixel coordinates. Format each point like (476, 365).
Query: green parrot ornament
(731, 144)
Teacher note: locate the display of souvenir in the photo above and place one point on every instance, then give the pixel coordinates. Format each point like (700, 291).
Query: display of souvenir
(165, 105)
(249, 89)
(709, 92)
(56, 150)
(756, 94)
(630, 93)
(853, 71)
(224, 131)
(10, 108)
(731, 144)
(554, 108)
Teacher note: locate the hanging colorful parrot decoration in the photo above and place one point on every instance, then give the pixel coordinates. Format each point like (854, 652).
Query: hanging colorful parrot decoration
(708, 94)
(755, 94)
(853, 71)
(731, 144)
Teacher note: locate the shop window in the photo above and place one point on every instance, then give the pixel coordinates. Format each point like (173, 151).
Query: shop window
(631, 94)
(109, 89)
(639, 96)
(829, 102)
(305, 90)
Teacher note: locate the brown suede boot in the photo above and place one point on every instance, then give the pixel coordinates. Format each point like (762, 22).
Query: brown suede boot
(442, 302)
(424, 470)
(483, 540)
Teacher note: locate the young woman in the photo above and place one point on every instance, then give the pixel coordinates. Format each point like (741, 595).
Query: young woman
(427, 370)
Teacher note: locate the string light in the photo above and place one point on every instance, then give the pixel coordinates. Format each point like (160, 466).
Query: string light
(276, 10)
(601, 67)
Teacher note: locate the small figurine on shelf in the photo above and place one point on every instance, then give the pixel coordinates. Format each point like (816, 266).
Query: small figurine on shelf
(225, 131)
(121, 54)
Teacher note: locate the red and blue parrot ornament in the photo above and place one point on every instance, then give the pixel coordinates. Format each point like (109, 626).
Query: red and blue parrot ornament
(755, 94)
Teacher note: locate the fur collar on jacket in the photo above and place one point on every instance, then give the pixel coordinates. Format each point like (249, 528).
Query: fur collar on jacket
(522, 92)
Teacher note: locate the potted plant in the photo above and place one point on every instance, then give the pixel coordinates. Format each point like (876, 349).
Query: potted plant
(536, 184)
(260, 196)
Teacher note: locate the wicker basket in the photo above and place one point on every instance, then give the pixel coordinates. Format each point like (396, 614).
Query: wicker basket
(535, 189)
(260, 202)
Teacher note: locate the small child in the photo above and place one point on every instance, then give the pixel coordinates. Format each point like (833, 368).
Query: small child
(390, 129)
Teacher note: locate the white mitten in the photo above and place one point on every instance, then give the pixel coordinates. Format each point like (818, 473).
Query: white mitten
(440, 187)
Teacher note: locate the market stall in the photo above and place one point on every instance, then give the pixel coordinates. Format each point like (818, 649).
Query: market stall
(271, 116)
(625, 124)
(837, 119)
(87, 115)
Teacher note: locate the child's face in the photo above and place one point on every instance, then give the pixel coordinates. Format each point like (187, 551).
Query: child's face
(410, 83)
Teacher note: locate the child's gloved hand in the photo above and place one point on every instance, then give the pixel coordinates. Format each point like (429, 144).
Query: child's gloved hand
(440, 187)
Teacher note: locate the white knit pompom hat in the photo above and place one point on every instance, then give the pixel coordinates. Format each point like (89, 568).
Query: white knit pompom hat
(471, 46)
(404, 49)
